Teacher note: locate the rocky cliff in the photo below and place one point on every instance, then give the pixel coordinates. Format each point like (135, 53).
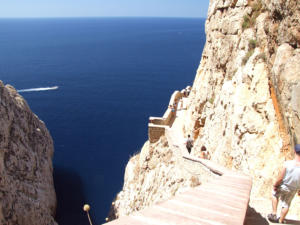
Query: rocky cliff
(27, 193)
(244, 105)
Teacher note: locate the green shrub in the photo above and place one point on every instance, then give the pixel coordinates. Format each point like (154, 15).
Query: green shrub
(247, 56)
(249, 21)
(230, 75)
(257, 6)
(262, 56)
(211, 100)
(252, 44)
(246, 22)
(255, 15)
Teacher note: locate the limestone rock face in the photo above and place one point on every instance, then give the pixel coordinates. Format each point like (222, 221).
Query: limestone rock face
(246, 88)
(153, 175)
(244, 103)
(27, 194)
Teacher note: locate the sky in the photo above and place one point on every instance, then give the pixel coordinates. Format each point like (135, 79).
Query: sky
(103, 8)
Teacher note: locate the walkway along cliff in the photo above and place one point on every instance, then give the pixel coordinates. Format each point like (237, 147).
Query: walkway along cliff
(244, 107)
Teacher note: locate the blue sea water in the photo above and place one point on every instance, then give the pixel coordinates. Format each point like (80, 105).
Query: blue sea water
(112, 74)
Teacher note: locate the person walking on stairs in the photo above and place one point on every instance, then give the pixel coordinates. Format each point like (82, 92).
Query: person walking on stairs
(286, 186)
(189, 143)
(204, 154)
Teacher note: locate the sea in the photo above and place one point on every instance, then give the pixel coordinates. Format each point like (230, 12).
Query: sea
(95, 82)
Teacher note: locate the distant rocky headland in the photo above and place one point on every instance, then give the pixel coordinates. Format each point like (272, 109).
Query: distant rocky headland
(244, 107)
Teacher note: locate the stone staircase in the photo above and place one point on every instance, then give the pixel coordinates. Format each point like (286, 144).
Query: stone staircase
(221, 201)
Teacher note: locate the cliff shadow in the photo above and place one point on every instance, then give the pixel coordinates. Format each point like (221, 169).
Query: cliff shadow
(70, 197)
(254, 217)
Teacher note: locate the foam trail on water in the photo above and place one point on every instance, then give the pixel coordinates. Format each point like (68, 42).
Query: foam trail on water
(38, 89)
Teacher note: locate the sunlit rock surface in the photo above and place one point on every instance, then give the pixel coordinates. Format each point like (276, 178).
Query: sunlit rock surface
(244, 106)
(27, 194)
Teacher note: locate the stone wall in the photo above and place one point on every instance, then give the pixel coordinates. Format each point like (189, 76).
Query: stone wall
(155, 132)
(157, 125)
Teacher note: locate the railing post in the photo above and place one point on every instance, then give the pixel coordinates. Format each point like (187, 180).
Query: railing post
(87, 208)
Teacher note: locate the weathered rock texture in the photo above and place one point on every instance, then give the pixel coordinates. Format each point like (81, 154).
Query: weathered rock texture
(27, 193)
(246, 87)
(245, 100)
(154, 175)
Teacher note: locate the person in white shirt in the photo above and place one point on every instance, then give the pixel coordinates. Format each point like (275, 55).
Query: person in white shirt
(286, 186)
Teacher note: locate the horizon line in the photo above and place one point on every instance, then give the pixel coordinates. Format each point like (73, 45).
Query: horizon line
(82, 17)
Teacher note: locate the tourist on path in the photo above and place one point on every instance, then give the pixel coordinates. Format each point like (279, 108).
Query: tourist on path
(189, 143)
(204, 154)
(172, 109)
(286, 186)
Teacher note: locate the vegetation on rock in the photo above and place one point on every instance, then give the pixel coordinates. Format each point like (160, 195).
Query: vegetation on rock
(250, 20)
(251, 46)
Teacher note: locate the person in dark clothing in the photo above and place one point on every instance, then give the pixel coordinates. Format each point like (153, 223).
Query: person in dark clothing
(189, 143)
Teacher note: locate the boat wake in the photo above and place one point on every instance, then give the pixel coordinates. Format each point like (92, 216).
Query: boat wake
(38, 89)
